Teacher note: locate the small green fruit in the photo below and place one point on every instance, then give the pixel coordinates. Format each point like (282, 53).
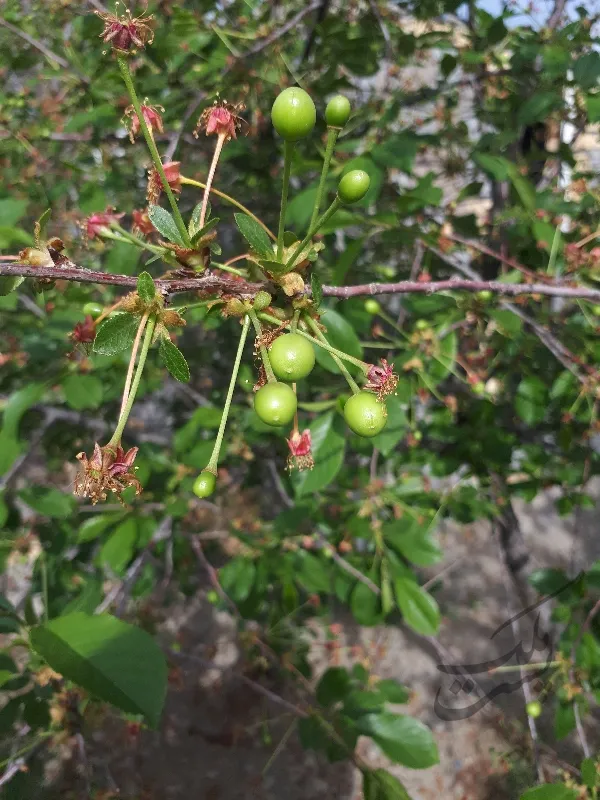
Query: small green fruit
(365, 415)
(372, 307)
(421, 324)
(205, 483)
(293, 114)
(212, 597)
(485, 295)
(596, 310)
(337, 112)
(353, 186)
(275, 403)
(92, 310)
(292, 357)
(478, 388)
(534, 708)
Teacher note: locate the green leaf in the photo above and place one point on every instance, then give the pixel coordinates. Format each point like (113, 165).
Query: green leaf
(18, 403)
(328, 446)
(398, 151)
(194, 226)
(381, 785)
(365, 605)
(237, 578)
(255, 235)
(115, 334)
(88, 599)
(48, 502)
(174, 360)
(95, 526)
(8, 284)
(586, 70)
(404, 739)
(392, 691)
(548, 580)
(531, 400)
(12, 210)
(313, 573)
(145, 287)
(395, 430)
(333, 686)
(418, 608)
(316, 288)
(411, 540)
(589, 773)
(537, 107)
(115, 661)
(165, 224)
(83, 391)
(212, 223)
(117, 551)
(340, 334)
(592, 102)
(551, 791)
(564, 720)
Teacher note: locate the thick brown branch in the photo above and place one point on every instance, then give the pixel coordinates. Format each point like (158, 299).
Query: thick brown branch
(236, 287)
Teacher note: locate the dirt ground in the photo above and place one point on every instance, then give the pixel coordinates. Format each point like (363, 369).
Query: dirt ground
(219, 740)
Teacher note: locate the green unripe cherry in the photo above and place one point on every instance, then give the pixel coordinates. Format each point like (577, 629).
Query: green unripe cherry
(293, 114)
(596, 310)
(337, 112)
(372, 307)
(205, 483)
(292, 357)
(353, 186)
(485, 295)
(421, 324)
(365, 415)
(92, 310)
(534, 708)
(478, 388)
(275, 403)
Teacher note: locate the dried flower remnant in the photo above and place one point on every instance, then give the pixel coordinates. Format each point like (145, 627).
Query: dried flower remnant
(381, 379)
(221, 119)
(84, 332)
(124, 32)
(300, 456)
(155, 186)
(100, 222)
(141, 223)
(108, 470)
(152, 118)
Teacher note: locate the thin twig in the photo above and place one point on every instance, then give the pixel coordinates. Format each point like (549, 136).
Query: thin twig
(277, 34)
(35, 43)
(346, 566)
(212, 574)
(219, 285)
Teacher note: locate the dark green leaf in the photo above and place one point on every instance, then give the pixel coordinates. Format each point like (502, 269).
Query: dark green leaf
(237, 578)
(340, 334)
(365, 605)
(165, 224)
(212, 223)
(145, 287)
(174, 360)
(531, 400)
(115, 661)
(115, 334)
(380, 785)
(48, 502)
(392, 691)
(83, 391)
(589, 773)
(418, 608)
(396, 428)
(117, 551)
(564, 720)
(333, 686)
(548, 580)
(412, 541)
(255, 235)
(404, 739)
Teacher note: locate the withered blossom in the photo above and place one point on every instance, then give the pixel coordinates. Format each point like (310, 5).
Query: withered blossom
(101, 221)
(125, 32)
(141, 223)
(381, 379)
(84, 332)
(221, 119)
(300, 456)
(108, 470)
(151, 116)
(155, 186)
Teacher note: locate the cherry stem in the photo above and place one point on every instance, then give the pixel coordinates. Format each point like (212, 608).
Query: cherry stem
(210, 178)
(332, 135)
(214, 459)
(230, 199)
(314, 228)
(337, 355)
(127, 78)
(288, 152)
(263, 350)
(115, 440)
(134, 349)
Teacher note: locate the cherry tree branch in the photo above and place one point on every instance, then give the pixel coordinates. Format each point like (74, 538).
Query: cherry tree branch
(221, 285)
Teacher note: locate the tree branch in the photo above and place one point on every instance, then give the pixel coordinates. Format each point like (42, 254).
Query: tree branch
(220, 285)
(277, 34)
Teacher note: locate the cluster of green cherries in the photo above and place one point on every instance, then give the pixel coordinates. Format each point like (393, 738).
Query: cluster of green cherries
(291, 356)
